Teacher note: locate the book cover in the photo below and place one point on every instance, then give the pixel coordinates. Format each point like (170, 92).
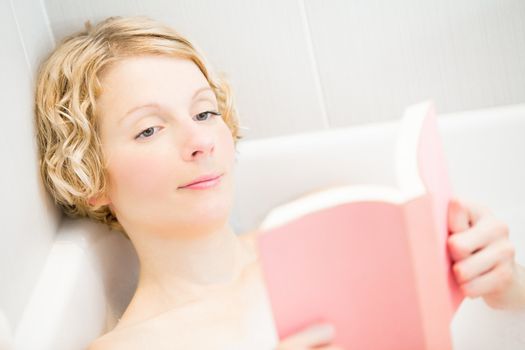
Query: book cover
(372, 260)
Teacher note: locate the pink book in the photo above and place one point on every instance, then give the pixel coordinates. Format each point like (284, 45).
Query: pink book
(372, 260)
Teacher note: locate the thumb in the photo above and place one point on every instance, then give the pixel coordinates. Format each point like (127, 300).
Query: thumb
(318, 334)
(458, 216)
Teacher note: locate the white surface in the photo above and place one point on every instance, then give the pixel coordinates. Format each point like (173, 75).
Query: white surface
(331, 198)
(6, 334)
(377, 57)
(29, 219)
(85, 285)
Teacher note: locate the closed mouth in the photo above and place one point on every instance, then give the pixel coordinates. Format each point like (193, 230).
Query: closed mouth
(200, 181)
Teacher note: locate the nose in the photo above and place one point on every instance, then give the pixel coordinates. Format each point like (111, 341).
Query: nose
(198, 141)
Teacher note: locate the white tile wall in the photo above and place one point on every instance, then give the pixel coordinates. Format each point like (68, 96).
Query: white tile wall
(29, 220)
(376, 57)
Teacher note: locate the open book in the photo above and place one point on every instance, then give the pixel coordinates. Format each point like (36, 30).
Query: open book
(371, 260)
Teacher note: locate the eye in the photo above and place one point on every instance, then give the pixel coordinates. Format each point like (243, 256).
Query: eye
(149, 131)
(207, 113)
(146, 132)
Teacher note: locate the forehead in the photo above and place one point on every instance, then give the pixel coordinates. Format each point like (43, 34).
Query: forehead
(140, 79)
(148, 69)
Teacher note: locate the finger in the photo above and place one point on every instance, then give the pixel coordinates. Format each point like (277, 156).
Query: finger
(494, 281)
(483, 261)
(465, 213)
(319, 334)
(487, 230)
(458, 217)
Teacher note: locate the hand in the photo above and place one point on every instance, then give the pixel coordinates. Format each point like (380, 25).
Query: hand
(484, 257)
(318, 336)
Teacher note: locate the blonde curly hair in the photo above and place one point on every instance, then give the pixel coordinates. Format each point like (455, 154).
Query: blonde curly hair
(72, 164)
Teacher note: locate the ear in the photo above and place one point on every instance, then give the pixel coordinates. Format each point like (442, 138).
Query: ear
(99, 200)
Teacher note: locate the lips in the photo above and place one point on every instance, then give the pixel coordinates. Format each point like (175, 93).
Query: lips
(202, 179)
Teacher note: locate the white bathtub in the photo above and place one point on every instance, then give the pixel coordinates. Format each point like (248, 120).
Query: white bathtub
(91, 273)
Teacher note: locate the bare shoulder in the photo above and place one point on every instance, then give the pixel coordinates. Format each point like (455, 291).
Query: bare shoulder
(105, 343)
(99, 344)
(113, 340)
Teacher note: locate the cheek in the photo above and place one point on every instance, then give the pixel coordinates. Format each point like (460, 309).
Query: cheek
(141, 175)
(228, 145)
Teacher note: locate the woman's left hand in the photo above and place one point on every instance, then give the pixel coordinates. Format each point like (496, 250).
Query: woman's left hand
(483, 256)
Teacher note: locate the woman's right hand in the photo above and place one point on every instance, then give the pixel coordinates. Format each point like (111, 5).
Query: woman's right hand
(317, 336)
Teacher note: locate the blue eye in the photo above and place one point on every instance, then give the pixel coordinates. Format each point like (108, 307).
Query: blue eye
(149, 131)
(146, 132)
(207, 113)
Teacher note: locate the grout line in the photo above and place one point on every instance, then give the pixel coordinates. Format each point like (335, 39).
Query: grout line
(21, 38)
(313, 60)
(48, 23)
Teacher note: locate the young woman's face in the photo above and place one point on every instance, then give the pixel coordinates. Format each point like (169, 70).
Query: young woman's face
(157, 137)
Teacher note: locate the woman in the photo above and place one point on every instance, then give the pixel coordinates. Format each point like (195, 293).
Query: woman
(129, 115)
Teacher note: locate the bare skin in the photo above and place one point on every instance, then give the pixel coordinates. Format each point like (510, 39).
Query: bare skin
(217, 318)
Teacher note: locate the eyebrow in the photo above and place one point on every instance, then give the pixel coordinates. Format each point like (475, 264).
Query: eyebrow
(156, 105)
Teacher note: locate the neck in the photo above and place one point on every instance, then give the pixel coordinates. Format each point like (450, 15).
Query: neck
(174, 271)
